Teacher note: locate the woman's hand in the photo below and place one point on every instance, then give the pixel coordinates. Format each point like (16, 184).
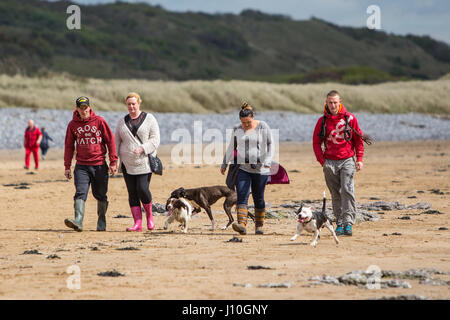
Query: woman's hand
(138, 150)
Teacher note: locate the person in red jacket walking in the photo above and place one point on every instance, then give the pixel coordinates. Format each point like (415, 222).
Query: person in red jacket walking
(93, 139)
(336, 130)
(31, 142)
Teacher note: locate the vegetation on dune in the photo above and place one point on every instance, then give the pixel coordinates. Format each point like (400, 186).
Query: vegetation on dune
(53, 91)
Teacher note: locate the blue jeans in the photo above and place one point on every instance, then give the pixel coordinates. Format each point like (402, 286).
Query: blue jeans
(255, 182)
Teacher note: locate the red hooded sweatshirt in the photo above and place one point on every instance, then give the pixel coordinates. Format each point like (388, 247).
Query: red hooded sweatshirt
(336, 147)
(93, 139)
(31, 137)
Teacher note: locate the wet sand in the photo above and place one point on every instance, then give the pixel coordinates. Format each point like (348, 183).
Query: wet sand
(202, 264)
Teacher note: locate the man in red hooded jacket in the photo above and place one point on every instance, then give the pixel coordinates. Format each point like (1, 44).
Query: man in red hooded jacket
(93, 138)
(335, 129)
(31, 142)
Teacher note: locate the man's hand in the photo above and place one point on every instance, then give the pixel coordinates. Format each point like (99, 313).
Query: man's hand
(359, 166)
(222, 171)
(68, 174)
(113, 169)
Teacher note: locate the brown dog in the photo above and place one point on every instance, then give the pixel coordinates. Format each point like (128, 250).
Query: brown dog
(205, 197)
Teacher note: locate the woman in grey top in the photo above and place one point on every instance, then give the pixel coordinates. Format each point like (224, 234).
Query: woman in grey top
(137, 135)
(251, 147)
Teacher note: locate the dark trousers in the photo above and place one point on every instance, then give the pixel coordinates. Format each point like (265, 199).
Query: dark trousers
(138, 187)
(97, 176)
(44, 150)
(255, 182)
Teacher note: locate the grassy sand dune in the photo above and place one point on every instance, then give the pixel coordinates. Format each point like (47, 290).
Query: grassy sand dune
(60, 92)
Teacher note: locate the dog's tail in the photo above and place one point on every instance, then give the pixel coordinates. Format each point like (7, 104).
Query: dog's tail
(324, 206)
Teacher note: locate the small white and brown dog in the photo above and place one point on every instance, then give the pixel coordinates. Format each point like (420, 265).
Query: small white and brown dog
(313, 222)
(179, 210)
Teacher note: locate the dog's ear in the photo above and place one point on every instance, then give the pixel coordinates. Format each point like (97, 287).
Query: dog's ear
(183, 193)
(167, 203)
(299, 209)
(176, 204)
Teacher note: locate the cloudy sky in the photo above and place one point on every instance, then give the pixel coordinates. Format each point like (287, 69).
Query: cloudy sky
(419, 17)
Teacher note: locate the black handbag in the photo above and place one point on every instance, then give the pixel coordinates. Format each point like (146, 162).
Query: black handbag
(233, 169)
(155, 162)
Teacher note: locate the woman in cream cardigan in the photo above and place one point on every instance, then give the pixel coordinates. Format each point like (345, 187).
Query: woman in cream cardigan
(137, 135)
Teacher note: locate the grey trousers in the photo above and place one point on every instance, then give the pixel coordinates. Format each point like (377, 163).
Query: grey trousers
(339, 178)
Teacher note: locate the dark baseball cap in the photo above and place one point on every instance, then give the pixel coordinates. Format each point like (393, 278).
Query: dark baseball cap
(82, 101)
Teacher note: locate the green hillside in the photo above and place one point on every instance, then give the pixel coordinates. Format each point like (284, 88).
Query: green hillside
(123, 40)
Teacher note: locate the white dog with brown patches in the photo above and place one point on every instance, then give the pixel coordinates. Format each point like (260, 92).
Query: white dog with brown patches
(179, 210)
(313, 222)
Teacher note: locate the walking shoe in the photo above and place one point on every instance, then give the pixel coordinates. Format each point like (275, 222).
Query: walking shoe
(348, 230)
(339, 230)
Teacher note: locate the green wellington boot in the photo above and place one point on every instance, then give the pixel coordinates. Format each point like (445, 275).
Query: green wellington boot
(77, 223)
(102, 206)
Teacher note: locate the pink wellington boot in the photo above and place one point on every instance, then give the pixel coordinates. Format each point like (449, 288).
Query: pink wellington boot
(137, 216)
(149, 216)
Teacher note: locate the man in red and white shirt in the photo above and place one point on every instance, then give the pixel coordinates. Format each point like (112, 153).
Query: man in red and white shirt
(93, 138)
(339, 131)
(31, 141)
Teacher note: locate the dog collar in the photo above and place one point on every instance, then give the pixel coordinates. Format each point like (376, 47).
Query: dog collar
(305, 221)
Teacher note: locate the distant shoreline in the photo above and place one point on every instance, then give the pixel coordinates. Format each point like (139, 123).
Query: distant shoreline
(179, 127)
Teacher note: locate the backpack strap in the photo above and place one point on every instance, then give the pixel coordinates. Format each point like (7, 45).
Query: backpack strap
(323, 129)
(347, 131)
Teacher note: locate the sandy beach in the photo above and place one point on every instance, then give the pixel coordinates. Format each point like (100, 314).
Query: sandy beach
(203, 264)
